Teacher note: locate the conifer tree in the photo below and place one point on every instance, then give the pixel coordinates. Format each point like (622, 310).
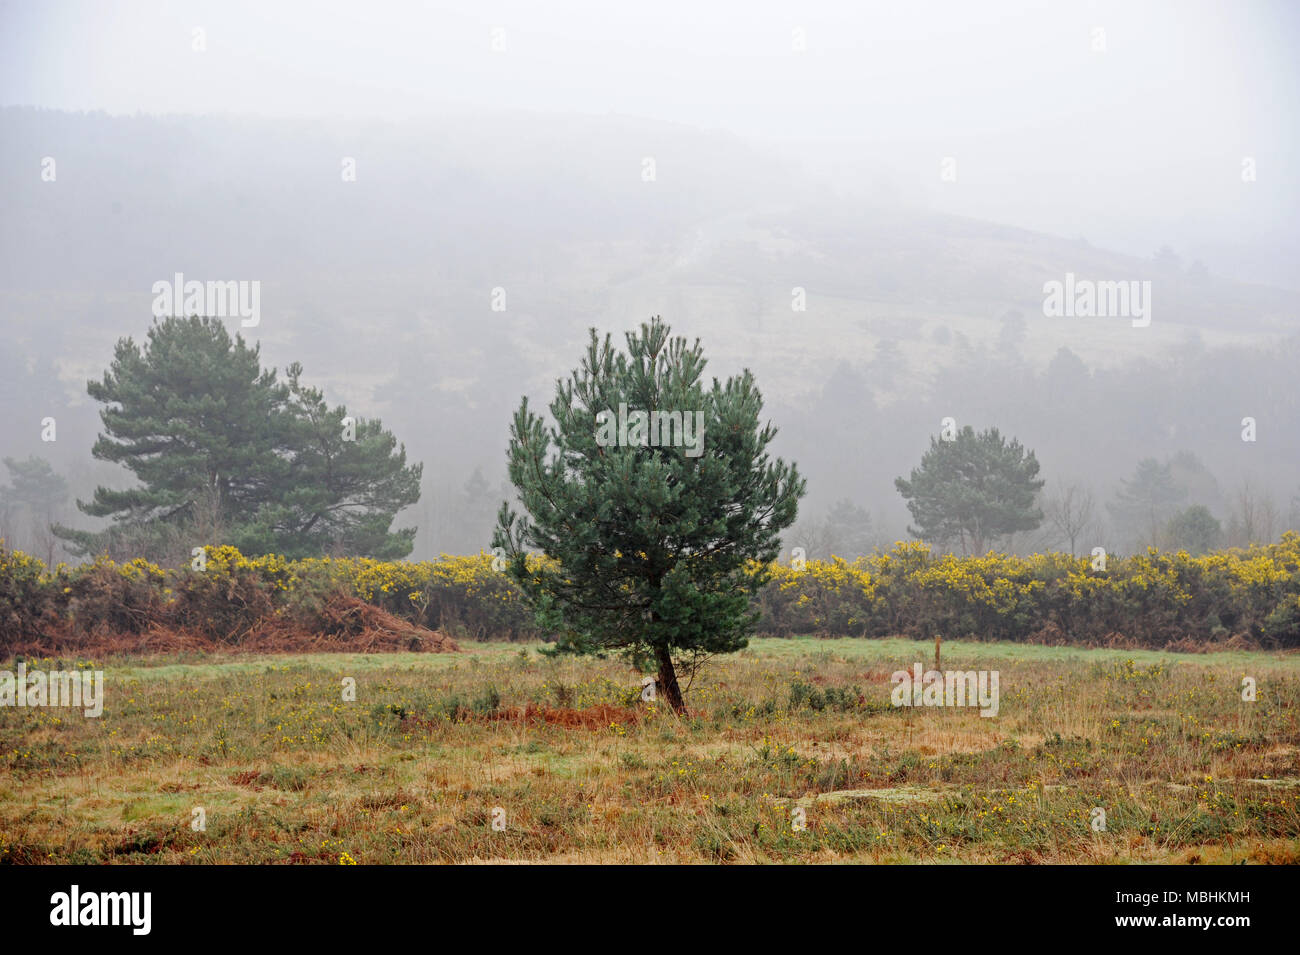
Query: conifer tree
(224, 453)
(973, 489)
(650, 495)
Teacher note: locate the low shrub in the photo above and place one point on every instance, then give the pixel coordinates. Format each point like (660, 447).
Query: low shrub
(1240, 597)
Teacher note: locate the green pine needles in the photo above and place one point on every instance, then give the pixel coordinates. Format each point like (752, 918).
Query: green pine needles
(225, 454)
(655, 501)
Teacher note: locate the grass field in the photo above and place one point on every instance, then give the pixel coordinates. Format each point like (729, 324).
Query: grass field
(792, 753)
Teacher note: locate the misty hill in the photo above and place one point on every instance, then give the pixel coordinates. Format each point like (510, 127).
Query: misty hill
(382, 288)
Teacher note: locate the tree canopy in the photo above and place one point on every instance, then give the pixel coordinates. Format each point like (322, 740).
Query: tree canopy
(225, 453)
(1147, 501)
(648, 538)
(973, 489)
(1195, 530)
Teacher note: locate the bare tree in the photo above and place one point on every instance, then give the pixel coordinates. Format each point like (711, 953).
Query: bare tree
(207, 515)
(1268, 517)
(1071, 512)
(1253, 517)
(814, 537)
(1241, 515)
(44, 543)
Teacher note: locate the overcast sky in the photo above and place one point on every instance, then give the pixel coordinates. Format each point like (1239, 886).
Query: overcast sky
(1131, 146)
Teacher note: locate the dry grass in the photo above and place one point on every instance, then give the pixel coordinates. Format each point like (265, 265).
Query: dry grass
(285, 771)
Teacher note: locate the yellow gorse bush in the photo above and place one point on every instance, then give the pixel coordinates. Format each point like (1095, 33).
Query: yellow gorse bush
(1152, 598)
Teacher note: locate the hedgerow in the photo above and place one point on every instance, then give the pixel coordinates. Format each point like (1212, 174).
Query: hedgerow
(1250, 596)
(1153, 599)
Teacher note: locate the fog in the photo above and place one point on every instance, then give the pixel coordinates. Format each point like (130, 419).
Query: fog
(860, 202)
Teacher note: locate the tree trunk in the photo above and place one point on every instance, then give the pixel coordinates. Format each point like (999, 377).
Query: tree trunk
(668, 681)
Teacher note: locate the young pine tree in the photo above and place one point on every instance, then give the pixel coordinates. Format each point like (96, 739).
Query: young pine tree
(648, 529)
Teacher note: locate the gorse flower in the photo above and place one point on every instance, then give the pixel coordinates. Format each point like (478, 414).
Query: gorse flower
(1151, 598)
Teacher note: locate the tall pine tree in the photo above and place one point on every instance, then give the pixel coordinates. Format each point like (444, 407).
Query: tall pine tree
(225, 453)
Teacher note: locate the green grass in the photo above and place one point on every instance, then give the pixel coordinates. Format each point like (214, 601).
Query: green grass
(954, 651)
(870, 651)
(286, 771)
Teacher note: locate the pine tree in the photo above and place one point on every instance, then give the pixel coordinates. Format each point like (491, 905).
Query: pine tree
(848, 527)
(475, 515)
(41, 493)
(225, 453)
(649, 536)
(1195, 530)
(192, 411)
(35, 487)
(1145, 502)
(973, 489)
(338, 488)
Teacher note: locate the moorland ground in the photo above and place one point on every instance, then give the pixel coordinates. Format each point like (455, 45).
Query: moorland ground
(573, 767)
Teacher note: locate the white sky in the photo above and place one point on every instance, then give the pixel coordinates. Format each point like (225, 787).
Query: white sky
(1131, 147)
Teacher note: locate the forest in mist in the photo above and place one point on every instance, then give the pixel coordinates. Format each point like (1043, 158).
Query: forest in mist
(383, 288)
